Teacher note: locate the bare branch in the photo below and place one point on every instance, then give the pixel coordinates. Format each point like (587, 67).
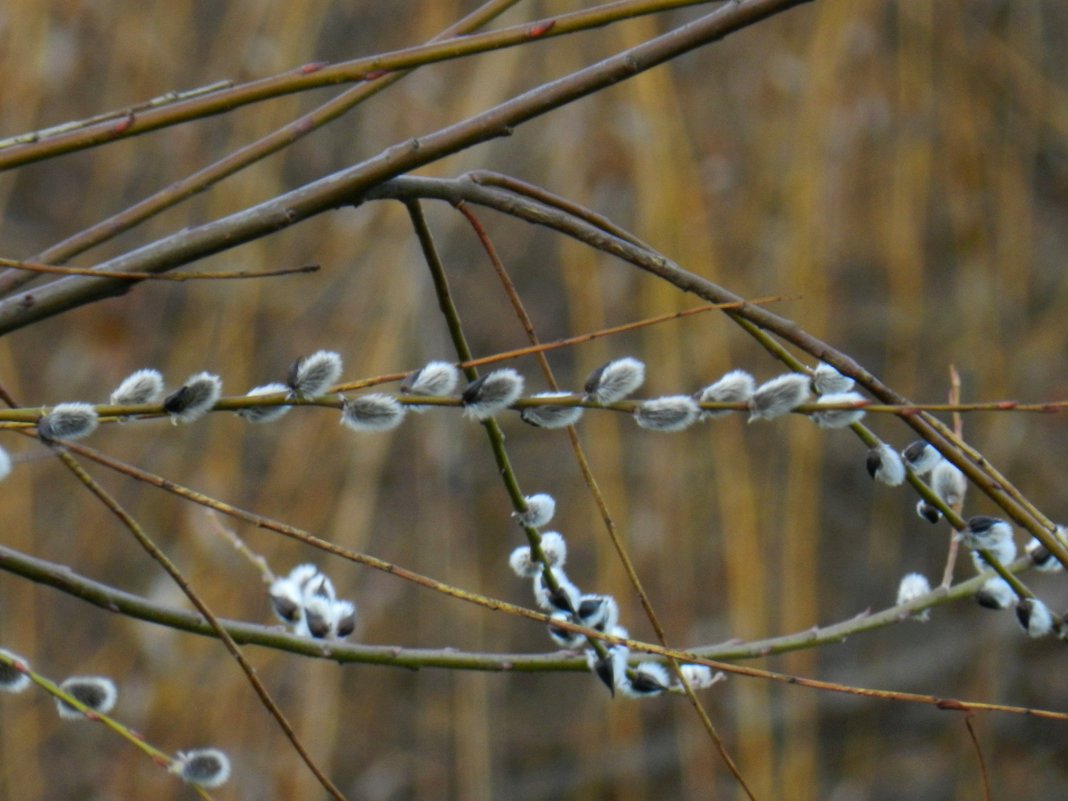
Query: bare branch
(349, 186)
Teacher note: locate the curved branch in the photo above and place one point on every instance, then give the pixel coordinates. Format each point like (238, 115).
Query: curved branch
(349, 186)
(980, 473)
(236, 161)
(109, 598)
(114, 600)
(135, 121)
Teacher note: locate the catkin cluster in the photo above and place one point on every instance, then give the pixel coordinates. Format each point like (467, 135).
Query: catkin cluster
(542, 563)
(987, 538)
(94, 697)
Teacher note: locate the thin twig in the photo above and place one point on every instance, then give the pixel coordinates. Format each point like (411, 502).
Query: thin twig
(350, 185)
(981, 474)
(37, 267)
(111, 599)
(552, 200)
(983, 774)
(492, 428)
(255, 559)
(26, 416)
(958, 507)
(243, 157)
(166, 99)
(314, 75)
(172, 570)
(136, 739)
(598, 496)
(396, 656)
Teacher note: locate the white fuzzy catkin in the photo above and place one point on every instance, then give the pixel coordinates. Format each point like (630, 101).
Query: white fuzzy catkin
(615, 380)
(563, 637)
(433, 378)
(522, 563)
(143, 386)
(287, 600)
(949, 483)
(646, 680)
(551, 416)
(778, 396)
(566, 599)
(1034, 616)
(96, 692)
(1003, 550)
(344, 618)
(912, 586)
(885, 465)
(265, 414)
(600, 612)
(1042, 558)
(539, 511)
(995, 594)
(838, 418)
(206, 767)
(554, 548)
(5, 463)
(68, 421)
(374, 412)
(307, 601)
(698, 677)
(318, 586)
(13, 680)
(921, 457)
(670, 413)
(194, 399)
(927, 511)
(989, 533)
(612, 669)
(492, 393)
(317, 620)
(826, 380)
(302, 575)
(737, 386)
(311, 376)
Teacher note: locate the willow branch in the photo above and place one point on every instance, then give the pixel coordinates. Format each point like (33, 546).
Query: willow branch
(104, 597)
(598, 497)
(241, 158)
(464, 188)
(111, 599)
(36, 267)
(134, 122)
(172, 570)
(350, 185)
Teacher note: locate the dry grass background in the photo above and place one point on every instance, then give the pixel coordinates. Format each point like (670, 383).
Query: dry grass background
(900, 166)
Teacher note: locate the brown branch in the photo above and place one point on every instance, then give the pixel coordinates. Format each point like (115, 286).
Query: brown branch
(598, 496)
(176, 575)
(241, 158)
(979, 756)
(51, 269)
(980, 473)
(133, 122)
(349, 186)
(166, 99)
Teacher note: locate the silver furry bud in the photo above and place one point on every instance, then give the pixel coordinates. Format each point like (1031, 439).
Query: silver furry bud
(615, 380)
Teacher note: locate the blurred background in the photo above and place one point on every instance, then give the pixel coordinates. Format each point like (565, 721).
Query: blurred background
(900, 169)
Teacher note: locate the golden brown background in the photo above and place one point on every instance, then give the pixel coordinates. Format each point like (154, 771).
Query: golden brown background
(900, 166)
